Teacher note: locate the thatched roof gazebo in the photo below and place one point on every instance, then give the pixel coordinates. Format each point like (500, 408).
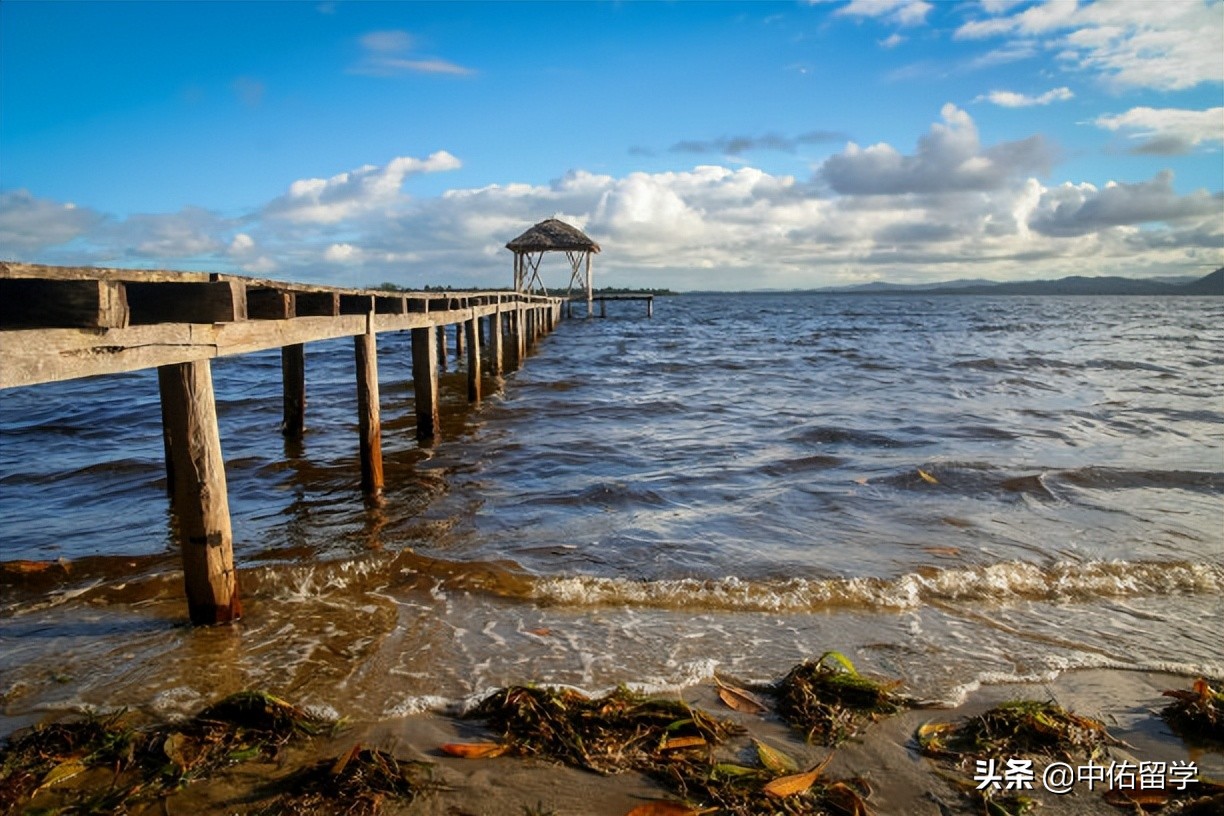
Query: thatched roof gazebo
(552, 235)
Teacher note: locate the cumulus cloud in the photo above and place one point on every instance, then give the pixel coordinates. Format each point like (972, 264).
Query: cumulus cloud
(29, 224)
(1078, 209)
(1011, 99)
(389, 53)
(1167, 131)
(1165, 46)
(949, 158)
(345, 195)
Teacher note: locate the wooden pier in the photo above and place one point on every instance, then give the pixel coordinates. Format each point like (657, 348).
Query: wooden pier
(61, 323)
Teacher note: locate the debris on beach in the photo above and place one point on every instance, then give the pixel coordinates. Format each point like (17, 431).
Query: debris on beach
(1197, 713)
(131, 764)
(681, 747)
(1012, 730)
(616, 732)
(829, 701)
(354, 784)
(1020, 728)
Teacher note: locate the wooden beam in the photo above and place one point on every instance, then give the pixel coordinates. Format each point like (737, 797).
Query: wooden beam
(318, 304)
(89, 304)
(201, 503)
(425, 381)
(265, 303)
(293, 381)
(368, 418)
(172, 302)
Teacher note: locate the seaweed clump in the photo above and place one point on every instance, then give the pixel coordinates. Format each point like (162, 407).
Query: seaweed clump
(665, 739)
(118, 767)
(1197, 713)
(619, 731)
(829, 701)
(1014, 729)
(355, 784)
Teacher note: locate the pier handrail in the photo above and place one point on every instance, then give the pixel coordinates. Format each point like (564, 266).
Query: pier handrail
(59, 323)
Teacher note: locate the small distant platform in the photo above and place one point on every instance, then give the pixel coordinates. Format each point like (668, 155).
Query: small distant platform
(602, 300)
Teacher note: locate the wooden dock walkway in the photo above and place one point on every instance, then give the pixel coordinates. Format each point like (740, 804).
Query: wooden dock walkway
(61, 323)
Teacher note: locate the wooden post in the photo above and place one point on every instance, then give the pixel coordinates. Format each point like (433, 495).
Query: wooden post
(440, 353)
(459, 332)
(368, 418)
(589, 284)
(603, 308)
(650, 307)
(200, 499)
(520, 317)
(425, 381)
(497, 358)
(472, 329)
(293, 383)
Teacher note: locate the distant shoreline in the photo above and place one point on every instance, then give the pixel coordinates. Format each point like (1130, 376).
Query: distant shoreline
(1211, 285)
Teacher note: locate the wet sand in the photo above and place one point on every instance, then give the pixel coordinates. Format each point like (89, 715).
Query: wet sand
(902, 781)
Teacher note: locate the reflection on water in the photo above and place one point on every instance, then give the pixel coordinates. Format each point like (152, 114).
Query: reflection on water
(943, 488)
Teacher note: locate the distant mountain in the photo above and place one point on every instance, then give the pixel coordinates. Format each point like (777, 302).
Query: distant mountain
(1212, 284)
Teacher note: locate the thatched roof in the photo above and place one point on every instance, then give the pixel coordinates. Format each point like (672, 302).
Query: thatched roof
(550, 235)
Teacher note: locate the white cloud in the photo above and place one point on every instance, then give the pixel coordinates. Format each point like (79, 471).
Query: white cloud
(892, 40)
(341, 253)
(345, 195)
(389, 53)
(1167, 131)
(1078, 209)
(900, 12)
(949, 158)
(1011, 99)
(1170, 45)
(29, 224)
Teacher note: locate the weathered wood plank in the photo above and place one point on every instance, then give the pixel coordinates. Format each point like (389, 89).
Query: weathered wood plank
(31, 356)
(201, 502)
(89, 304)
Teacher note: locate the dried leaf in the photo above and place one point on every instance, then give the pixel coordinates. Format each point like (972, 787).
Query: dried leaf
(740, 700)
(173, 749)
(846, 799)
(676, 743)
(1130, 798)
(796, 783)
(61, 772)
(926, 477)
(944, 551)
(344, 759)
(543, 631)
(474, 750)
(774, 760)
(663, 809)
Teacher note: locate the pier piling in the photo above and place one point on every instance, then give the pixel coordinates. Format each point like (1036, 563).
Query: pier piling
(425, 381)
(368, 416)
(200, 502)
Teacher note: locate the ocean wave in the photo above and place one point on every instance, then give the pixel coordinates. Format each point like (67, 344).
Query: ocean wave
(1013, 580)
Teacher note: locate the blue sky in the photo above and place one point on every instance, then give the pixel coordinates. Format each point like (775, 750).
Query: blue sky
(703, 145)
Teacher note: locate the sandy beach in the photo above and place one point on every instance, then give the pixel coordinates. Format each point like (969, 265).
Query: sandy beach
(902, 781)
